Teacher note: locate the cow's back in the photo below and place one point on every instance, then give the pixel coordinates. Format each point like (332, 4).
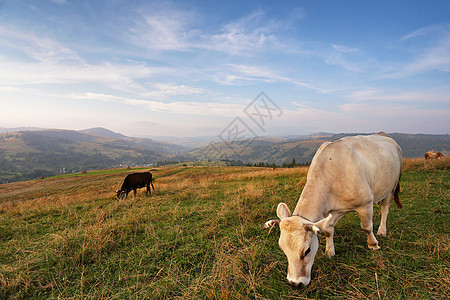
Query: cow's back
(137, 180)
(347, 168)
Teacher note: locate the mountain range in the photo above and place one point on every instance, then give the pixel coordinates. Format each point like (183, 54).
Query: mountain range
(28, 153)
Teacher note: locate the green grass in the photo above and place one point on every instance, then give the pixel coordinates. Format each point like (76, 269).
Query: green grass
(199, 236)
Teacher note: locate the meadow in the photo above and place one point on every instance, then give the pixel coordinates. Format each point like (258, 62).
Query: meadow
(200, 236)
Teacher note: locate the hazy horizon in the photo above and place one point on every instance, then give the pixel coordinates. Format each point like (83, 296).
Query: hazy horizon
(217, 137)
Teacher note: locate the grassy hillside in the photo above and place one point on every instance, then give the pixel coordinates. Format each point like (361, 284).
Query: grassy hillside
(199, 236)
(30, 154)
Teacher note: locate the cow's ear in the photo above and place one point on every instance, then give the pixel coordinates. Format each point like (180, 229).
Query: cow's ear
(283, 211)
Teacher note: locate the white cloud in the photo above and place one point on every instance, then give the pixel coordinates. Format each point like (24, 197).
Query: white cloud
(53, 62)
(249, 33)
(401, 111)
(344, 49)
(235, 74)
(165, 90)
(345, 57)
(238, 74)
(164, 29)
(427, 96)
(436, 57)
(308, 119)
(169, 28)
(396, 112)
(427, 31)
(59, 1)
(15, 73)
(431, 48)
(9, 89)
(179, 107)
(39, 48)
(367, 117)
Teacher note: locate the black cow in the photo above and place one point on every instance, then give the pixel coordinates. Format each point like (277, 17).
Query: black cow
(135, 181)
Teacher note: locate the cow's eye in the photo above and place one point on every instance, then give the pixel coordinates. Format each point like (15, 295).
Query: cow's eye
(307, 251)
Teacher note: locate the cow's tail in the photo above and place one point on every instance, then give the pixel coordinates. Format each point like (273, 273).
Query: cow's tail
(397, 190)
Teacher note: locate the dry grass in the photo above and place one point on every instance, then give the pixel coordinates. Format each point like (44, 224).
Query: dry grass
(425, 164)
(199, 236)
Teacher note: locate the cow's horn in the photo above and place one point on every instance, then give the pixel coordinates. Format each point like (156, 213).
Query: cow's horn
(271, 223)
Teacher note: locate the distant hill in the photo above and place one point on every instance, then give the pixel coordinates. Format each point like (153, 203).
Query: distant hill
(31, 154)
(103, 132)
(302, 149)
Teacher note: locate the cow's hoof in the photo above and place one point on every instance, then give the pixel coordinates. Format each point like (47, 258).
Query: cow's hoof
(381, 232)
(330, 253)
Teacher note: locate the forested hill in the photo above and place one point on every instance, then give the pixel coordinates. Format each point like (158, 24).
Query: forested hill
(284, 150)
(415, 145)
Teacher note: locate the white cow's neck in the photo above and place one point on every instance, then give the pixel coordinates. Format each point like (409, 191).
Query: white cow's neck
(312, 204)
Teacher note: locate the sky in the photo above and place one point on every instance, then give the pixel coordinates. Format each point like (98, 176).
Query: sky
(206, 68)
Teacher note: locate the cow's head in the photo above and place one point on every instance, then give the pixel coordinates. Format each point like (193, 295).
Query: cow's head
(120, 194)
(299, 241)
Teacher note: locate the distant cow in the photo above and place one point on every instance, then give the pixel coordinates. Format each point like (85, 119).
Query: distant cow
(135, 181)
(351, 174)
(433, 155)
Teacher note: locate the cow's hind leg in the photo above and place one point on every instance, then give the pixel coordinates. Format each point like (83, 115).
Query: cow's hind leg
(365, 214)
(385, 204)
(148, 190)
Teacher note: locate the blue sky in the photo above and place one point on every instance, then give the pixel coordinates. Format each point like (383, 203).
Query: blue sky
(189, 68)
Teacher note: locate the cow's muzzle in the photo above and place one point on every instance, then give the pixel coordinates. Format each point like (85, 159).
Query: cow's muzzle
(302, 281)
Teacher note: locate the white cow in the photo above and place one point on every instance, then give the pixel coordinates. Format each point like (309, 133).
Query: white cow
(350, 174)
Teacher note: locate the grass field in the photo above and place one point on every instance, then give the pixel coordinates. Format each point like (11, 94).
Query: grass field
(199, 236)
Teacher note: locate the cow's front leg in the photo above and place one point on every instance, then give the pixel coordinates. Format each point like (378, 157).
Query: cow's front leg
(329, 248)
(326, 226)
(366, 214)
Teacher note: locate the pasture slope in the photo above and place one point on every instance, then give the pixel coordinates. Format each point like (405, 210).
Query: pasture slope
(199, 236)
